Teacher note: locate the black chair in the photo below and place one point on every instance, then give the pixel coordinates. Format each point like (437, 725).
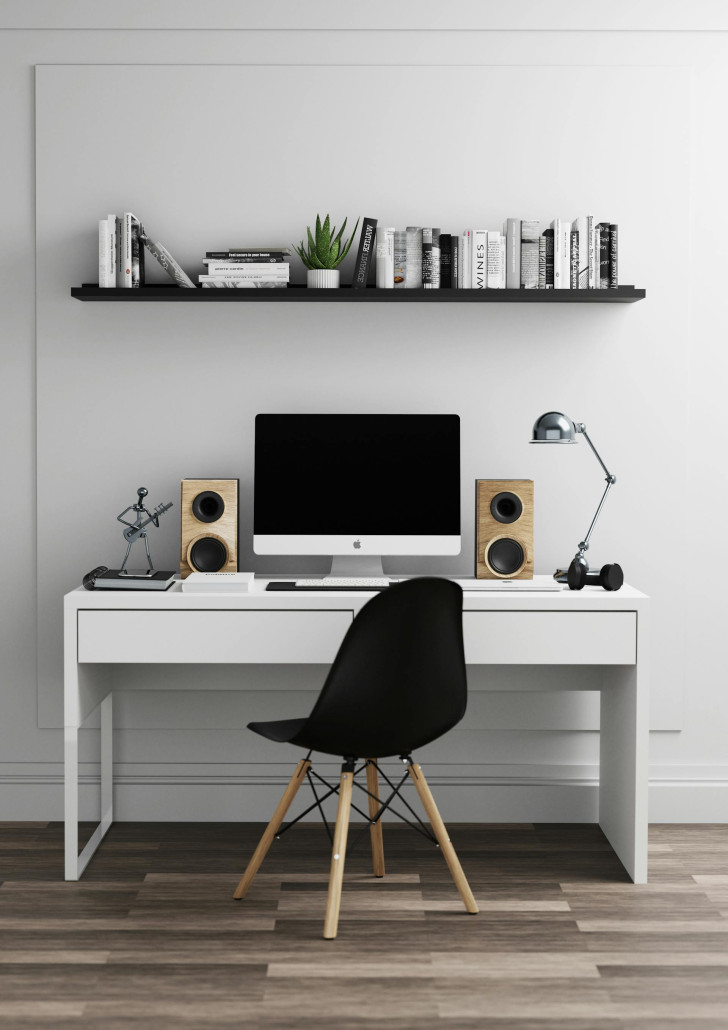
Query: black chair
(397, 683)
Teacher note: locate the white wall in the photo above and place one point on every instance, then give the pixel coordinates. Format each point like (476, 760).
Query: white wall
(663, 359)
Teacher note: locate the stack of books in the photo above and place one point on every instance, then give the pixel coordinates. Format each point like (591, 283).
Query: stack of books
(246, 268)
(525, 255)
(122, 239)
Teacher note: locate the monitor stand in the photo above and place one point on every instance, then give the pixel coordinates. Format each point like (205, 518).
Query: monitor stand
(355, 565)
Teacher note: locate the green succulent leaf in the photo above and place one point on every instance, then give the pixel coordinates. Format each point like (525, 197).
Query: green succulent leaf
(323, 239)
(302, 254)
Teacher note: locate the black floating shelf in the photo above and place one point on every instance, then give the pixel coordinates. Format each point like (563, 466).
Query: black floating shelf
(620, 295)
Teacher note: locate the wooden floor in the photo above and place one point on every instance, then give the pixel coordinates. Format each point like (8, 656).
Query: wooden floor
(152, 938)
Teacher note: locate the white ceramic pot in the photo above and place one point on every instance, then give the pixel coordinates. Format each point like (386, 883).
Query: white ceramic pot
(322, 278)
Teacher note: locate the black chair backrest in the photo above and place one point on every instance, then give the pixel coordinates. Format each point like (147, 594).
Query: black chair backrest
(398, 680)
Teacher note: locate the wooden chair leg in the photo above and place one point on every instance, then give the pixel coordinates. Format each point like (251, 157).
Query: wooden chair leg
(438, 827)
(375, 830)
(273, 826)
(338, 854)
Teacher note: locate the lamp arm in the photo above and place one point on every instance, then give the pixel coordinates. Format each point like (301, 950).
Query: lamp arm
(611, 480)
(581, 428)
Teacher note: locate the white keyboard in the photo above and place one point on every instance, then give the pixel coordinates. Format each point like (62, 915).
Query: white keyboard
(342, 582)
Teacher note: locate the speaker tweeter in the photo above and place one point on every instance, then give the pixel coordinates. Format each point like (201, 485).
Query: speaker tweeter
(504, 529)
(209, 526)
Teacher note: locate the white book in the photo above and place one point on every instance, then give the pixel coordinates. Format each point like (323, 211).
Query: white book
(247, 267)
(413, 270)
(594, 257)
(104, 252)
(512, 233)
(113, 245)
(565, 279)
(385, 259)
(556, 225)
(436, 258)
(466, 256)
(479, 259)
(253, 277)
(584, 225)
(530, 232)
(503, 260)
(493, 260)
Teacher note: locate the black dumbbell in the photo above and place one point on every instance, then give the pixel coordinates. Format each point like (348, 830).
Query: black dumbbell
(610, 577)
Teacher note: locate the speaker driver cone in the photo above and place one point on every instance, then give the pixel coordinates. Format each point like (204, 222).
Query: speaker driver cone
(208, 506)
(506, 507)
(208, 554)
(505, 556)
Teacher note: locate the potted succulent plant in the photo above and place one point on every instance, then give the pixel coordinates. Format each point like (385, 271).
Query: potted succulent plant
(325, 253)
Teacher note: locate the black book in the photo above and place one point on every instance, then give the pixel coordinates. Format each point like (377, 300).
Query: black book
(548, 235)
(427, 277)
(363, 264)
(603, 255)
(454, 261)
(248, 255)
(445, 261)
(613, 276)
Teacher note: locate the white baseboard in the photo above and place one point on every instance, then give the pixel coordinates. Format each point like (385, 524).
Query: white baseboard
(563, 794)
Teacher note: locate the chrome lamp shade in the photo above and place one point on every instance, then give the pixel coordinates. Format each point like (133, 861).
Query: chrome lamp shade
(553, 427)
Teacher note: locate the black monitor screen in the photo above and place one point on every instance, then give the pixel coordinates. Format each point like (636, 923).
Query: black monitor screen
(386, 475)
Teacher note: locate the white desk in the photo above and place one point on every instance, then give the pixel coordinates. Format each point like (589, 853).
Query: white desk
(591, 627)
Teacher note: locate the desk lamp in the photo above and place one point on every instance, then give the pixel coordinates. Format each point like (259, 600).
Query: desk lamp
(554, 427)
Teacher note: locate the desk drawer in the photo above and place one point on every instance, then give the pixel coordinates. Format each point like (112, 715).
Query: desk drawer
(550, 638)
(211, 636)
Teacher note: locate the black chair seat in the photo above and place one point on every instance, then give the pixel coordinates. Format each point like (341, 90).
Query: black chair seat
(280, 730)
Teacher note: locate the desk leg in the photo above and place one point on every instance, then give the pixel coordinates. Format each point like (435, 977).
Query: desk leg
(624, 766)
(75, 863)
(70, 798)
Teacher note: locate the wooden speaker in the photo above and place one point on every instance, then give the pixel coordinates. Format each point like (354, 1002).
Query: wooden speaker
(504, 529)
(209, 526)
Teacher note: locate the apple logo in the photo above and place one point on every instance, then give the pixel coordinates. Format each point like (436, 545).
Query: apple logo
(357, 544)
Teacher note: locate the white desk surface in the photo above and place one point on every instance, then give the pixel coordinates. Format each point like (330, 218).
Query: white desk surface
(591, 598)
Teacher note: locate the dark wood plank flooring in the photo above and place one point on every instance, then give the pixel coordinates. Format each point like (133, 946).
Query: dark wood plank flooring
(151, 937)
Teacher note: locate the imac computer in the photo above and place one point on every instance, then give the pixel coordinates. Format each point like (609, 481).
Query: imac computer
(357, 487)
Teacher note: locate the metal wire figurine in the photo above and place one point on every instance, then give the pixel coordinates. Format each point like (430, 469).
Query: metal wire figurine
(137, 530)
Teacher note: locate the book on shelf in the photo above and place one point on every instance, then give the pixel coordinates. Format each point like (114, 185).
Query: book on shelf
(613, 267)
(512, 233)
(494, 262)
(385, 258)
(413, 271)
(431, 259)
(212, 282)
(548, 247)
(123, 264)
(363, 263)
(456, 258)
(137, 253)
(426, 259)
(583, 226)
(245, 259)
(253, 277)
(466, 255)
(574, 258)
(603, 255)
(229, 268)
(478, 265)
(445, 261)
(107, 251)
(542, 261)
(400, 259)
(168, 263)
(529, 254)
(250, 254)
